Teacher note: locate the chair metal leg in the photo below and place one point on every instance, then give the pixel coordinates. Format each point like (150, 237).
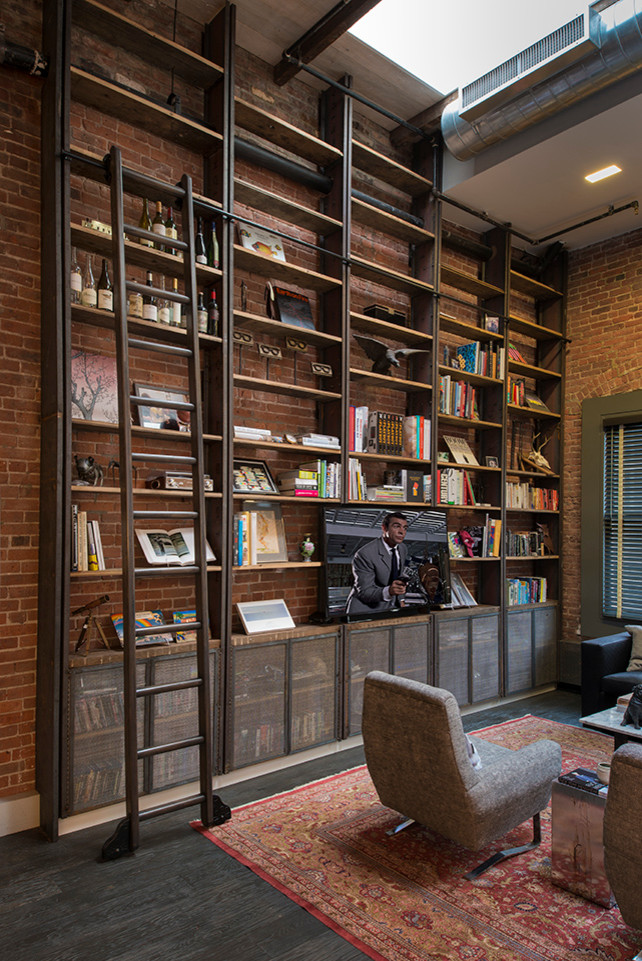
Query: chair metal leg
(509, 852)
(400, 827)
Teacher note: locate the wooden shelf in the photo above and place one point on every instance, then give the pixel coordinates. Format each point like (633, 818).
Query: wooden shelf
(478, 379)
(164, 333)
(388, 330)
(260, 384)
(472, 285)
(383, 168)
(366, 214)
(534, 288)
(529, 370)
(468, 422)
(286, 272)
(276, 566)
(276, 206)
(155, 119)
(517, 411)
(268, 325)
(284, 134)
(531, 329)
(122, 32)
(286, 448)
(471, 507)
(464, 329)
(533, 557)
(287, 498)
(141, 492)
(368, 379)
(390, 278)
(172, 435)
(389, 458)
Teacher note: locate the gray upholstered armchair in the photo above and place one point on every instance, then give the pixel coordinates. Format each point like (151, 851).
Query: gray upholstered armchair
(417, 755)
(622, 844)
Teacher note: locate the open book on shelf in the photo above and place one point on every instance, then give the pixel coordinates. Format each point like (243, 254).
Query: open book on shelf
(170, 547)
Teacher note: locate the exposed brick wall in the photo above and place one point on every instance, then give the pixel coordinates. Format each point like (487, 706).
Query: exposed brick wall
(604, 357)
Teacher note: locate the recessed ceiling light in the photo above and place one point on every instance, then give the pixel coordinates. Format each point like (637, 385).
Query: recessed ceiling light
(601, 174)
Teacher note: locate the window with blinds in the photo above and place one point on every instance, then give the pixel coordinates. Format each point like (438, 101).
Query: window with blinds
(622, 528)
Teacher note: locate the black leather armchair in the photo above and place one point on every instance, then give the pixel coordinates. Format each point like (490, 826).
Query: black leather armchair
(604, 673)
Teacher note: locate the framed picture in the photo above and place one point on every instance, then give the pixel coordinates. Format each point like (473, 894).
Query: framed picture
(492, 461)
(157, 416)
(258, 616)
(253, 477)
(270, 532)
(94, 387)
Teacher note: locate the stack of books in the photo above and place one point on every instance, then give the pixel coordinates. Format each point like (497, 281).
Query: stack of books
(299, 483)
(319, 440)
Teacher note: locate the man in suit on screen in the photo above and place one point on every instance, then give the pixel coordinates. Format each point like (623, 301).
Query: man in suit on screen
(376, 568)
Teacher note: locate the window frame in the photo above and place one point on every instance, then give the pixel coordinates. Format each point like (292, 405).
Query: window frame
(598, 413)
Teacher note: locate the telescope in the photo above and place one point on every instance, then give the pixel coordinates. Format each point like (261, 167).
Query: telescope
(89, 609)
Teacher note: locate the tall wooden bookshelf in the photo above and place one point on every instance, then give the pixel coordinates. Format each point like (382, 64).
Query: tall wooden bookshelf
(360, 225)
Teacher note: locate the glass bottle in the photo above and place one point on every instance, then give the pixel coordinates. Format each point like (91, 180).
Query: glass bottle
(212, 315)
(135, 304)
(213, 257)
(199, 244)
(88, 297)
(145, 223)
(105, 289)
(170, 230)
(201, 314)
(164, 311)
(177, 320)
(158, 224)
(75, 278)
(150, 305)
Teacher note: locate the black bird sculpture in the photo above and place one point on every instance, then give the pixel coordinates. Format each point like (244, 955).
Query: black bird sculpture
(384, 357)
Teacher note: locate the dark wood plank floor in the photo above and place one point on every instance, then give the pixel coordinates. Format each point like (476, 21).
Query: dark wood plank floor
(179, 897)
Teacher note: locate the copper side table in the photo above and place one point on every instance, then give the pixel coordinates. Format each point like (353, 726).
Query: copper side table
(577, 852)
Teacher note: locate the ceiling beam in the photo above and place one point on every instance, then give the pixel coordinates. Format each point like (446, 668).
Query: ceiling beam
(319, 37)
(429, 120)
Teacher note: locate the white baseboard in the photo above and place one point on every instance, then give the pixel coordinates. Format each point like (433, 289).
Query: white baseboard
(19, 813)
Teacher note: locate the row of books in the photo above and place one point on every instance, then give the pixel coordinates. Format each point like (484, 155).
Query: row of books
(246, 539)
(518, 394)
(477, 541)
(97, 710)
(526, 590)
(525, 496)
(458, 398)
(525, 543)
(382, 432)
(318, 478)
(357, 483)
(103, 781)
(402, 485)
(489, 360)
(86, 543)
(454, 487)
(584, 780)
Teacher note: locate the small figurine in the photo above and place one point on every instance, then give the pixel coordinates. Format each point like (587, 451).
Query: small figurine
(384, 357)
(90, 473)
(306, 547)
(633, 713)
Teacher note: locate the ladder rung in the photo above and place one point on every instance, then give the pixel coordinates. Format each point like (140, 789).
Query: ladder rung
(159, 347)
(174, 243)
(185, 802)
(175, 685)
(153, 185)
(172, 746)
(169, 404)
(157, 292)
(164, 458)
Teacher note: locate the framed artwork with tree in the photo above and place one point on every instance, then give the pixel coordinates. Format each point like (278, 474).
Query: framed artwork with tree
(94, 387)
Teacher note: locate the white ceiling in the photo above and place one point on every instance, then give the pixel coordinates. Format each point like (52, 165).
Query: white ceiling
(535, 181)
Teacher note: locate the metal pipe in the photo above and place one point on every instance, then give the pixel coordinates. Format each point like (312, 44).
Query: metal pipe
(389, 209)
(466, 245)
(23, 58)
(251, 152)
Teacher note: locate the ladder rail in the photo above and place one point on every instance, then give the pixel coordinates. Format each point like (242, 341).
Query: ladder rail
(130, 829)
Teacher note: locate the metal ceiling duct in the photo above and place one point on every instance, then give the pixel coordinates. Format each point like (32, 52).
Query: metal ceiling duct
(591, 52)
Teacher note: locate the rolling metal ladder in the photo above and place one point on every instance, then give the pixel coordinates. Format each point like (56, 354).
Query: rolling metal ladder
(127, 834)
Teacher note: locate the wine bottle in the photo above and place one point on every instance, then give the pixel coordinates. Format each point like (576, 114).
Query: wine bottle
(158, 224)
(75, 278)
(88, 297)
(164, 312)
(199, 244)
(150, 306)
(201, 314)
(213, 258)
(177, 320)
(145, 224)
(212, 315)
(135, 304)
(170, 230)
(105, 289)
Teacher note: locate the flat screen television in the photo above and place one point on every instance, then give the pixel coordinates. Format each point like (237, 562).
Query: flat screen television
(426, 571)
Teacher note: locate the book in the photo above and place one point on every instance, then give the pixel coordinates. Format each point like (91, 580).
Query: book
(414, 485)
(584, 780)
(144, 619)
(461, 595)
(261, 241)
(289, 306)
(533, 402)
(170, 547)
(461, 451)
(184, 617)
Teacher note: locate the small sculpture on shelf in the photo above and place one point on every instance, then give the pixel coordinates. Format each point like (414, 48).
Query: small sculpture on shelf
(306, 547)
(385, 357)
(85, 636)
(90, 473)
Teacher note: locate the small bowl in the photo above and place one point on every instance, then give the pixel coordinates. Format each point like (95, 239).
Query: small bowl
(604, 771)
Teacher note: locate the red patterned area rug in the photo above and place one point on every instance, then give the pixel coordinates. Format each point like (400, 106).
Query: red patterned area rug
(404, 898)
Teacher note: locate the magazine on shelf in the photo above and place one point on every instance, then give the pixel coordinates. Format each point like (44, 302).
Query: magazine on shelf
(261, 241)
(461, 451)
(170, 547)
(143, 619)
(289, 306)
(184, 617)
